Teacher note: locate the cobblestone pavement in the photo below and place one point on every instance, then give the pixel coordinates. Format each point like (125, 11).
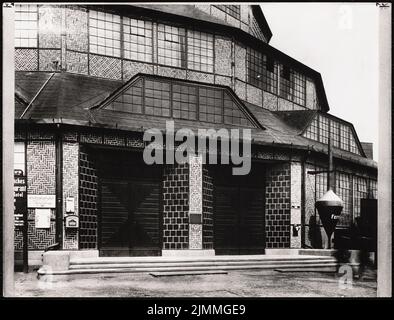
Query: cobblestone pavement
(246, 283)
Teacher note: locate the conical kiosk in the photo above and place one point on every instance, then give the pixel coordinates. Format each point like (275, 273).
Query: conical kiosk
(329, 207)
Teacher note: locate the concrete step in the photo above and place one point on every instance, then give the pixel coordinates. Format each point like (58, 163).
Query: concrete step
(322, 266)
(184, 273)
(178, 260)
(199, 264)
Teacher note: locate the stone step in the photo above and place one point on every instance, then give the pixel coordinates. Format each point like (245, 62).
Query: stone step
(321, 266)
(198, 264)
(178, 260)
(184, 273)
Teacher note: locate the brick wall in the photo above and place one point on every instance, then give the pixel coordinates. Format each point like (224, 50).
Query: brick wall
(88, 200)
(277, 208)
(176, 207)
(41, 179)
(207, 209)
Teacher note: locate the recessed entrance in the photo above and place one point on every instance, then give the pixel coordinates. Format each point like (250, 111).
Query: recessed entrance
(239, 226)
(130, 206)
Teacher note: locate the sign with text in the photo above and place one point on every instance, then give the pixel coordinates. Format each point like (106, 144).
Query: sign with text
(41, 201)
(20, 207)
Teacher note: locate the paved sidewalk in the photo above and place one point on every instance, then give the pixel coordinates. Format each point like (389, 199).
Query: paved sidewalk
(246, 283)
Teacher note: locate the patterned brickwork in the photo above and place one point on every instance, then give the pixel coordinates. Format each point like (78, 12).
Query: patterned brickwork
(41, 167)
(240, 89)
(77, 29)
(114, 140)
(47, 57)
(39, 239)
(26, 59)
(105, 67)
(240, 62)
(207, 207)
(254, 95)
(88, 198)
(278, 206)
(224, 81)
(270, 101)
(311, 97)
(77, 62)
(49, 24)
(171, 72)
(222, 56)
(70, 189)
(295, 196)
(91, 138)
(131, 68)
(284, 105)
(199, 76)
(175, 207)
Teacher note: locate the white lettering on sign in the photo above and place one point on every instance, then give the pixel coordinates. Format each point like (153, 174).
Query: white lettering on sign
(41, 201)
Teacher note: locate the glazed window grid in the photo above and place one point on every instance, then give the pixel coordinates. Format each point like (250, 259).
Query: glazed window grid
(171, 46)
(137, 38)
(26, 25)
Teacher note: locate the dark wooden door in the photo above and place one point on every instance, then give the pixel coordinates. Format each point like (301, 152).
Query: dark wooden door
(239, 224)
(130, 218)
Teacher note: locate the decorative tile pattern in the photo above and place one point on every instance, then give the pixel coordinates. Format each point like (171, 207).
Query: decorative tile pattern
(105, 67)
(254, 95)
(240, 89)
(91, 138)
(70, 189)
(114, 140)
(131, 68)
(50, 26)
(284, 105)
(171, 72)
(199, 76)
(77, 29)
(47, 58)
(222, 56)
(39, 239)
(77, 62)
(311, 97)
(270, 101)
(240, 62)
(224, 81)
(41, 167)
(26, 59)
(195, 185)
(278, 206)
(195, 236)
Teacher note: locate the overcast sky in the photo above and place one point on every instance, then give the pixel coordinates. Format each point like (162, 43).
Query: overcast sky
(341, 42)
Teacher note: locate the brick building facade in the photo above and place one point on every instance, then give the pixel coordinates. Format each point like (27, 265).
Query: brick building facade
(91, 79)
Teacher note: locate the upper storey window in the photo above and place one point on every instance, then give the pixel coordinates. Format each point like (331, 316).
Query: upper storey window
(200, 51)
(104, 33)
(180, 100)
(231, 10)
(262, 71)
(137, 37)
(292, 85)
(340, 133)
(171, 46)
(26, 25)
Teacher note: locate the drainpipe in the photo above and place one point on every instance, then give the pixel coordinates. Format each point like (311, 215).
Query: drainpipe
(59, 187)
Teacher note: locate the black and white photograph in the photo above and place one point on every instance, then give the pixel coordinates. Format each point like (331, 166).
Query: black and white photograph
(196, 150)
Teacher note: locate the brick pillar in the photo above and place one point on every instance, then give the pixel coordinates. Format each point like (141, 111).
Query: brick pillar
(195, 202)
(295, 211)
(70, 190)
(277, 208)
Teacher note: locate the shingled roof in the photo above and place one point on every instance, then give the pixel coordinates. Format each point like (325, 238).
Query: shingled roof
(69, 98)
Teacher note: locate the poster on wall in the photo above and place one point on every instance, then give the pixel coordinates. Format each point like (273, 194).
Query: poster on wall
(43, 218)
(20, 199)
